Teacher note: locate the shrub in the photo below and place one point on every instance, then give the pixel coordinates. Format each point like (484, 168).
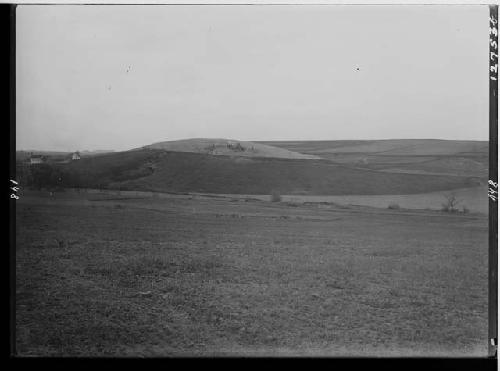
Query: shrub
(393, 206)
(450, 206)
(275, 196)
(465, 210)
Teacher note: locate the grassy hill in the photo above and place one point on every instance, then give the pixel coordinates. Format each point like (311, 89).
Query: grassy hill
(160, 170)
(399, 147)
(228, 147)
(425, 156)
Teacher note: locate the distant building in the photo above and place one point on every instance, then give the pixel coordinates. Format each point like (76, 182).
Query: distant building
(37, 159)
(75, 156)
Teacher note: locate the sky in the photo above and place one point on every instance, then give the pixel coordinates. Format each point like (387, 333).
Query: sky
(121, 77)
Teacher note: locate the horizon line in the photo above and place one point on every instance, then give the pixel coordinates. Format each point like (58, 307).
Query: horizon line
(257, 141)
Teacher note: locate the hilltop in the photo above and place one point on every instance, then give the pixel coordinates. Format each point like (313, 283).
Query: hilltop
(228, 147)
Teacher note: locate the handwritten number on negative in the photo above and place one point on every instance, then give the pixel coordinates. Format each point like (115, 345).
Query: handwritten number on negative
(493, 190)
(14, 189)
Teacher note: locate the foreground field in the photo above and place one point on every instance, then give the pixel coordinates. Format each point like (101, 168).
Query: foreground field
(101, 275)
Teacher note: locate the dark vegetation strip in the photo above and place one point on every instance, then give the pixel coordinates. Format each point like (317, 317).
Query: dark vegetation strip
(162, 171)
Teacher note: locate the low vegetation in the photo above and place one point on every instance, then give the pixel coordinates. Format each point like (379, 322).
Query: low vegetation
(465, 158)
(228, 147)
(275, 196)
(451, 203)
(121, 275)
(154, 278)
(161, 171)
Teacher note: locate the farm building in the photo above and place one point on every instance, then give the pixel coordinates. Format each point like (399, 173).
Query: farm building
(37, 159)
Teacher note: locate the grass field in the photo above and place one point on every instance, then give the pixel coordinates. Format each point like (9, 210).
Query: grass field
(474, 199)
(423, 156)
(306, 168)
(100, 275)
(157, 170)
(220, 147)
(396, 147)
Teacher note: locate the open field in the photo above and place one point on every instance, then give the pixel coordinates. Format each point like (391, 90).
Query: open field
(401, 147)
(307, 168)
(162, 171)
(423, 156)
(473, 199)
(105, 275)
(227, 147)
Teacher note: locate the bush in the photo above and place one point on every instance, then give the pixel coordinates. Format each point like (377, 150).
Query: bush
(465, 210)
(393, 206)
(275, 196)
(450, 206)
(448, 209)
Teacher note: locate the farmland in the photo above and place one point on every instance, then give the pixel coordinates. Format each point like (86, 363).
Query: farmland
(304, 168)
(176, 249)
(417, 156)
(164, 171)
(191, 275)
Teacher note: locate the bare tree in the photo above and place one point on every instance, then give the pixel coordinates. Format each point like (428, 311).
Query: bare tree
(451, 203)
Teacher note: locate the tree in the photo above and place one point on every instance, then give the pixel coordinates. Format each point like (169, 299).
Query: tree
(451, 203)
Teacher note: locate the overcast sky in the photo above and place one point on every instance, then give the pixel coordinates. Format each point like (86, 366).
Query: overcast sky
(120, 77)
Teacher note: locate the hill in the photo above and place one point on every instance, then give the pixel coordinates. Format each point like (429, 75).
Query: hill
(228, 147)
(23, 155)
(160, 170)
(395, 147)
(423, 156)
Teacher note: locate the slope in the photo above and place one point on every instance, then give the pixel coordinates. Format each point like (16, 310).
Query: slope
(159, 170)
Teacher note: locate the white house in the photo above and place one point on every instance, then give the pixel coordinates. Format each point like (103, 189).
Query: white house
(75, 156)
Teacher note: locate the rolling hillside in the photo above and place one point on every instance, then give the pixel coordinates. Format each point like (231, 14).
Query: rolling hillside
(228, 147)
(160, 170)
(397, 147)
(419, 156)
